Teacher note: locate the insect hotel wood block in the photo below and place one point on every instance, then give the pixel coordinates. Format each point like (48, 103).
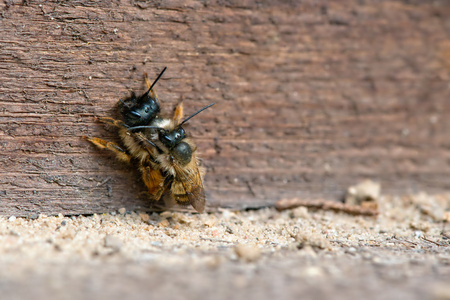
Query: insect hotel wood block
(312, 97)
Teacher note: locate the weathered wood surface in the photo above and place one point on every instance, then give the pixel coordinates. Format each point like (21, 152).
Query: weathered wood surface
(313, 96)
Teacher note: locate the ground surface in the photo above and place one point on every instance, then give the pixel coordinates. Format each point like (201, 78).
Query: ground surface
(263, 254)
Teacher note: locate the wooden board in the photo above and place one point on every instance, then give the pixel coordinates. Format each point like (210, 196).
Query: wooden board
(312, 97)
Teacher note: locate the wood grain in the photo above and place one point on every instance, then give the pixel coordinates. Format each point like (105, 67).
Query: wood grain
(312, 97)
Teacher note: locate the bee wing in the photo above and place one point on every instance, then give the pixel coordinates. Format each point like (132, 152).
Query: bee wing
(178, 113)
(197, 197)
(193, 187)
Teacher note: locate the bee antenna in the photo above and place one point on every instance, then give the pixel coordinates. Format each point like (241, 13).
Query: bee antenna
(151, 143)
(154, 82)
(123, 104)
(193, 115)
(146, 127)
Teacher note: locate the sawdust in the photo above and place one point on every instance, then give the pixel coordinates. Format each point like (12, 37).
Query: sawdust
(404, 252)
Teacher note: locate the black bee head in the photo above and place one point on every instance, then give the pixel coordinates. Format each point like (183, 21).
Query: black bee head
(139, 111)
(180, 150)
(170, 139)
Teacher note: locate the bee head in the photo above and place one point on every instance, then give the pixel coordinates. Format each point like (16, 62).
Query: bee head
(139, 111)
(171, 138)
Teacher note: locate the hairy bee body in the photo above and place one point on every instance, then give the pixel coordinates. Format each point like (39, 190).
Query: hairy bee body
(180, 163)
(160, 148)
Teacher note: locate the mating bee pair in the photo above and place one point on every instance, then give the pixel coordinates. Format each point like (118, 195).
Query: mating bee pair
(165, 156)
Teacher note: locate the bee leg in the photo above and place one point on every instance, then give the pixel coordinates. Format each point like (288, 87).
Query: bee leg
(167, 196)
(178, 113)
(152, 92)
(121, 154)
(112, 122)
(153, 180)
(169, 200)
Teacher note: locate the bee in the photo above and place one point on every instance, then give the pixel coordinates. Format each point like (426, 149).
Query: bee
(141, 110)
(174, 154)
(159, 146)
